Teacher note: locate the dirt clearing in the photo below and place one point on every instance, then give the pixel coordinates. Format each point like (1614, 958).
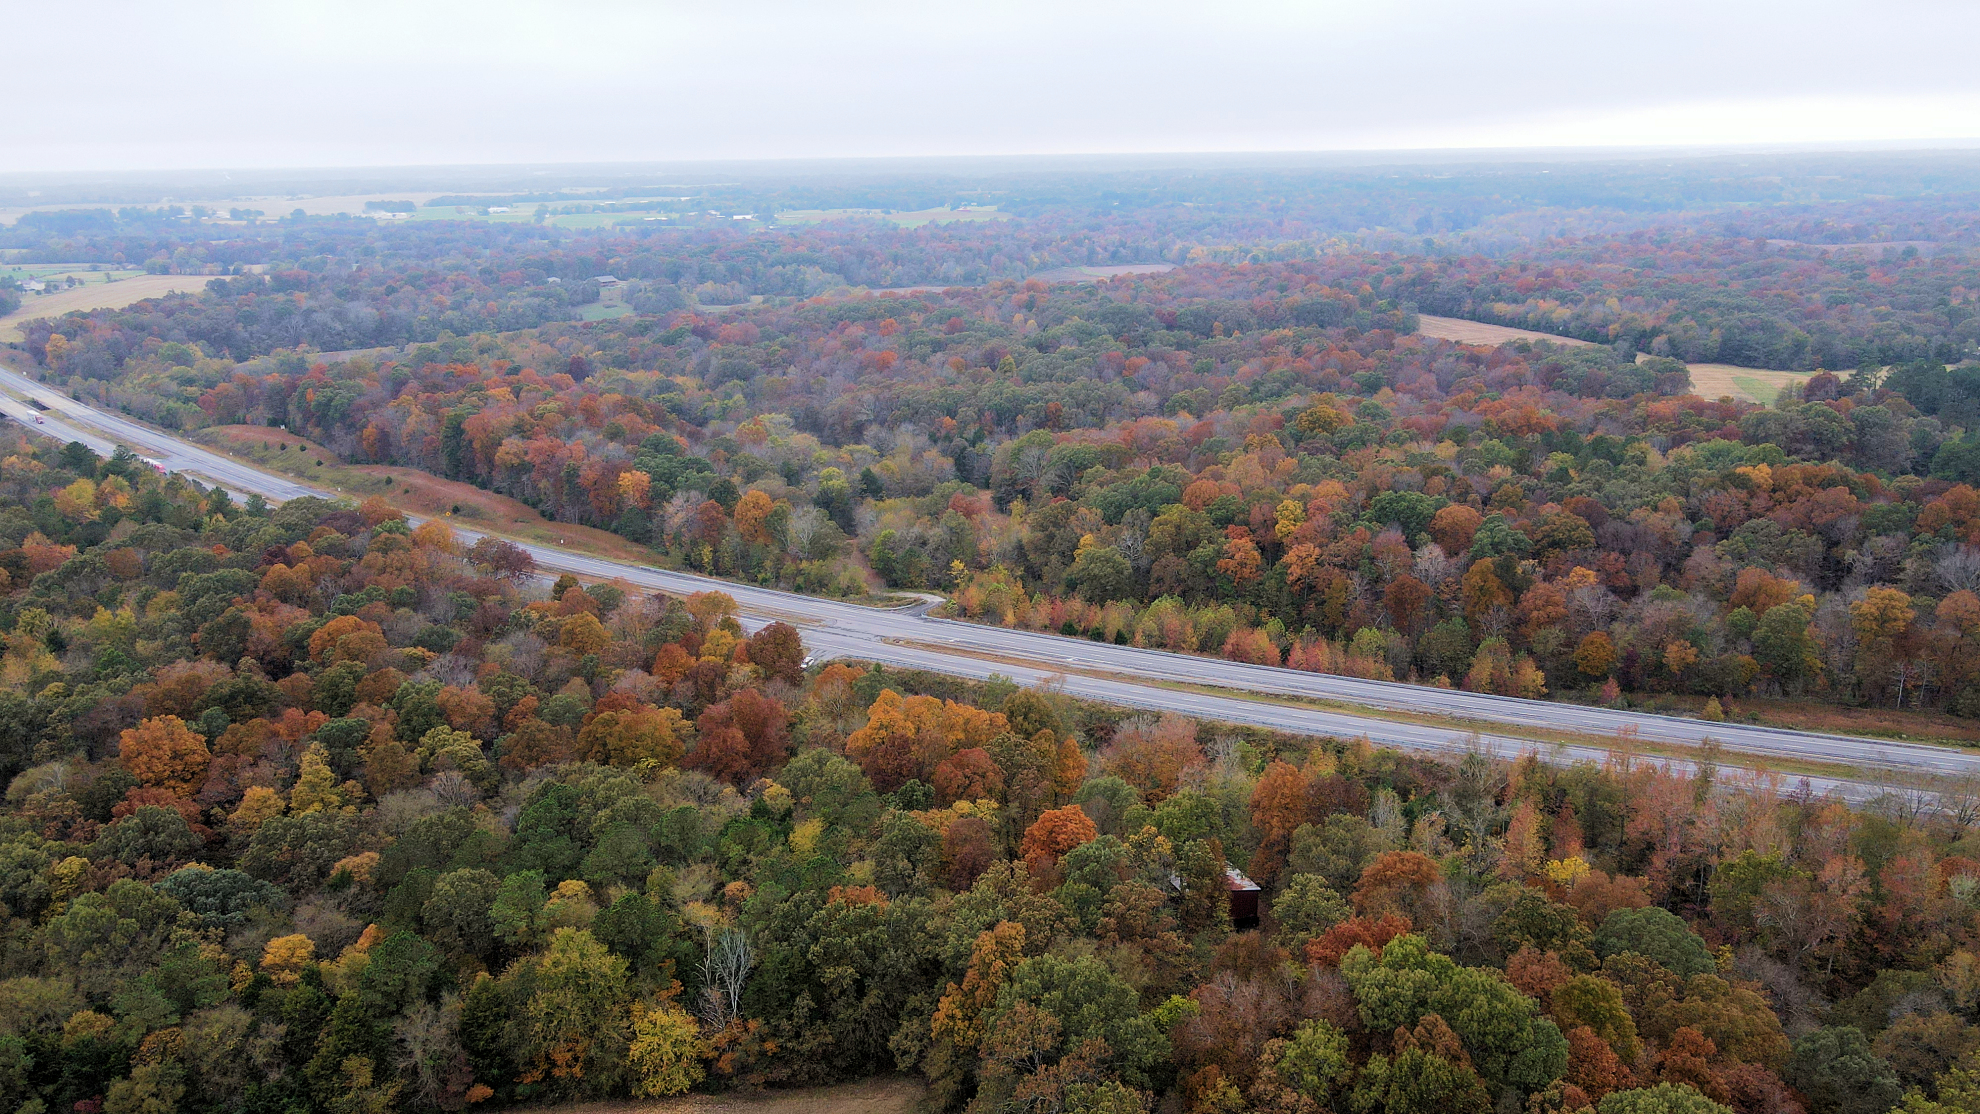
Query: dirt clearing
(868, 1096)
(96, 295)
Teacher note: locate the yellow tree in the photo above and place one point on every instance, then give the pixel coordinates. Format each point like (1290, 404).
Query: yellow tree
(752, 517)
(78, 501)
(887, 747)
(632, 735)
(258, 804)
(959, 1015)
(1596, 656)
(1481, 590)
(667, 1046)
(577, 1008)
(1882, 619)
(316, 789)
(285, 957)
(636, 489)
(1680, 656)
(710, 608)
(1288, 518)
(583, 634)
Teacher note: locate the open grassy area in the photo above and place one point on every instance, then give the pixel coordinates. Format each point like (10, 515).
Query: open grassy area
(83, 272)
(1752, 384)
(887, 1095)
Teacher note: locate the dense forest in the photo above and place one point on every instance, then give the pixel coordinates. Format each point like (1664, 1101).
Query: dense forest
(1698, 294)
(1251, 460)
(308, 810)
(1798, 262)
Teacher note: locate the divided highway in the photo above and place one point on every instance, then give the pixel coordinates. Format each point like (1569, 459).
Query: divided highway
(1147, 679)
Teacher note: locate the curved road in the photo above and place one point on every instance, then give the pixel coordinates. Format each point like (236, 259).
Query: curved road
(1101, 671)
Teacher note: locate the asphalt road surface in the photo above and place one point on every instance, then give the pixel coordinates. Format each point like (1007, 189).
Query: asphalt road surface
(1124, 675)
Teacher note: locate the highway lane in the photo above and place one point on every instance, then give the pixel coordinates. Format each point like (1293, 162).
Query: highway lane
(905, 637)
(1421, 738)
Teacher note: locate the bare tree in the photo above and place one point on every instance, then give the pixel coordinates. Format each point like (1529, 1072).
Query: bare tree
(431, 1058)
(1959, 802)
(679, 510)
(803, 529)
(1958, 568)
(1905, 798)
(1433, 566)
(724, 972)
(454, 789)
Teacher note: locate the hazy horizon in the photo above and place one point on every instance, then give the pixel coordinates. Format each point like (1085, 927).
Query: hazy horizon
(373, 85)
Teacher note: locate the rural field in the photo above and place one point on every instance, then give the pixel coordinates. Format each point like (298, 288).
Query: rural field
(60, 271)
(1749, 384)
(1477, 332)
(94, 296)
(525, 213)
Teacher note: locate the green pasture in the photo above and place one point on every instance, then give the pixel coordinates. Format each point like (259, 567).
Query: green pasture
(43, 271)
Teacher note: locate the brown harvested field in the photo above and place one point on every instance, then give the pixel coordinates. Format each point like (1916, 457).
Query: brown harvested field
(1749, 384)
(413, 491)
(96, 295)
(1477, 332)
(868, 1096)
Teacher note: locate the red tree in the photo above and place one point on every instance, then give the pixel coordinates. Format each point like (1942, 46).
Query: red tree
(742, 737)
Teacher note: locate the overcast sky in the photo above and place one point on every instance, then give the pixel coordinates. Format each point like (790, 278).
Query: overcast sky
(135, 85)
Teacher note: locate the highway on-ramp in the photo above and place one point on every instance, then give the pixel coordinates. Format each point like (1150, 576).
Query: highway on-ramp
(1406, 716)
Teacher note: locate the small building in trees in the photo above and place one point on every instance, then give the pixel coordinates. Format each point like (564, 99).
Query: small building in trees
(1244, 898)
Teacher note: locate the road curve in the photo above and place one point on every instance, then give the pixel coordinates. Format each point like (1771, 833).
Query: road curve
(1099, 671)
